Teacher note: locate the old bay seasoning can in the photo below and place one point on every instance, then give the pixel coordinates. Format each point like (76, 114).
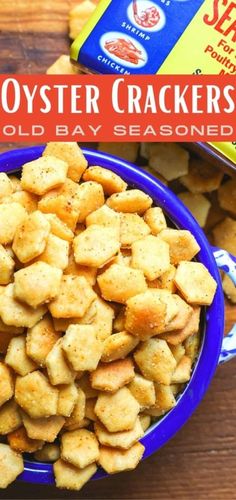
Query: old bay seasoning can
(161, 37)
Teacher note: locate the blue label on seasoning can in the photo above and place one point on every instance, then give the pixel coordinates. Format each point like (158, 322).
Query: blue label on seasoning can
(133, 36)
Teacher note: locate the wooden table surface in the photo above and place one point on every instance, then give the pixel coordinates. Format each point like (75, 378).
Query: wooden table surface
(199, 462)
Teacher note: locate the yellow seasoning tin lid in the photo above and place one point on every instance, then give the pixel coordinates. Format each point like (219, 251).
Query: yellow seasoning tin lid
(228, 149)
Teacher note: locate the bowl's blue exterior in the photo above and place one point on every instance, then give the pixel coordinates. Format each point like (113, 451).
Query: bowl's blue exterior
(163, 430)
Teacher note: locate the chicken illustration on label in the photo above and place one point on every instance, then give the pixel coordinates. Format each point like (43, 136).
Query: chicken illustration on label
(123, 48)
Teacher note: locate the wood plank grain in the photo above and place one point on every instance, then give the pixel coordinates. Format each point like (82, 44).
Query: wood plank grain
(39, 16)
(32, 53)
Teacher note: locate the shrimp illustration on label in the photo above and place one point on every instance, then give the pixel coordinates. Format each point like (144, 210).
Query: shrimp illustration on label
(147, 18)
(146, 14)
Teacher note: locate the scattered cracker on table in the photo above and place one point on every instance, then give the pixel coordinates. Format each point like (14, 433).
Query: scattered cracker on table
(198, 204)
(170, 160)
(63, 66)
(79, 15)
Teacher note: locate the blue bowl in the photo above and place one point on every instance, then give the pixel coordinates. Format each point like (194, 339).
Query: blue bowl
(160, 432)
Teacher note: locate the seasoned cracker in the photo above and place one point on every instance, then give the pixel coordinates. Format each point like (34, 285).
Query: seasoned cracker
(195, 283)
(36, 396)
(165, 399)
(15, 181)
(118, 411)
(59, 228)
(37, 284)
(109, 377)
(114, 460)
(40, 340)
(170, 160)
(59, 372)
(82, 347)
(17, 314)
(56, 252)
(178, 351)
(74, 299)
(62, 66)
(202, 177)
(90, 273)
(227, 196)
(182, 317)
(182, 372)
(96, 246)
(156, 361)
(70, 153)
(69, 477)
(10, 418)
(143, 390)
(45, 429)
(151, 255)
(123, 440)
(85, 384)
(225, 235)
(145, 421)
(198, 205)
(91, 197)
(133, 228)
(175, 337)
(31, 237)
(182, 244)
(11, 465)
(62, 324)
(80, 448)
(6, 186)
(78, 16)
(68, 395)
(126, 150)
(20, 442)
(76, 419)
(7, 265)
(118, 346)
(17, 358)
(43, 174)
(89, 409)
(111, 182)
(120, 283)
(191, 345)
(104, 216)
(6, 384)
(133, 201)
(28, 201)
(12, 216)
(148, 313)
(63, 205)
(155, 219)
(103, 321)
